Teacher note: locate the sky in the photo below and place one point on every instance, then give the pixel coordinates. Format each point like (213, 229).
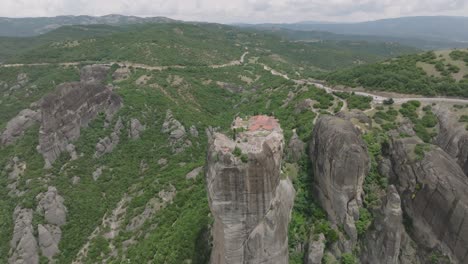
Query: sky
(239, 11)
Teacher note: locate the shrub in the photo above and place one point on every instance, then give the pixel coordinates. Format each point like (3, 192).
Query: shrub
(348, 258)
(389, 101)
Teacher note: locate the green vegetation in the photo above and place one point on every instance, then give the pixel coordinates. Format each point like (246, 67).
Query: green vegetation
(424, 127)
(420, 151)
(348, 258)
(359, 102)
(464, 119)
(402, 75)
(364, 222)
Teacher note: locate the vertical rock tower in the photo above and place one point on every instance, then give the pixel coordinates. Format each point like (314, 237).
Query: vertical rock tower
(250, 202)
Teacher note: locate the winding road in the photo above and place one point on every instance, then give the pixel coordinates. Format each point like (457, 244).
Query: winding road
(377, 99)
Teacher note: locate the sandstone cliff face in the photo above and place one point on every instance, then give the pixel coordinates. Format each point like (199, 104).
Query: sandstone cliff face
(250, 203)
(72, 107)
(434, 194)
(453, 138)
(340, 162)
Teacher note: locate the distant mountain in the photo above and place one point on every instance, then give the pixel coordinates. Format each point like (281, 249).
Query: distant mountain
(24, 27)
(423, 32)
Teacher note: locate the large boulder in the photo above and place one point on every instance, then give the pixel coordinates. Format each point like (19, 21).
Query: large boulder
(434, 194)
(452, 137)
(251, 204)
(73, 106)
(296, 148)
(340, 163)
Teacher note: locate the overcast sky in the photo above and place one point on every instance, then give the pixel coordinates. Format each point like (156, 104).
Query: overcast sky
(228, 11)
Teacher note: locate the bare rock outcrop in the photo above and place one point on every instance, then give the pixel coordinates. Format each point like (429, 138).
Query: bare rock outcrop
(15, 169)
(251, 204)
(452, 137)
(384, 242)
(51, 205)
(16, 127)
(434, 194)
(23, 244)
(71, 107)
(340, 162)
(296, 148)
(177, 133)
(136, 128)
(316, 249)
(49, 237)
(107, 144)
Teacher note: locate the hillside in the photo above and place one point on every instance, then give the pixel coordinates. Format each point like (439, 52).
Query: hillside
(167, 143)
(158, 45)
(438, 32)
(430, 73)
(26, 27)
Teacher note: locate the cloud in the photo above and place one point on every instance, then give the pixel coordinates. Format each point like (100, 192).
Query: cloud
(239, 10)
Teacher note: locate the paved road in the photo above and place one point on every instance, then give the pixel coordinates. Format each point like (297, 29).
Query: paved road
(378, 99)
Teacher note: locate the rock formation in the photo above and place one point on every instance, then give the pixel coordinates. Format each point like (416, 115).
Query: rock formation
(340, 162)
(177, 133)
(23, 243)
(384, 242)
(296, 148)
(15, 169)
(136, 128)
(72, 107)
(16, 127)
(315, 250)
(51, 206)
(434, 194)
(250, 203)
(107, 144)
(452, 137)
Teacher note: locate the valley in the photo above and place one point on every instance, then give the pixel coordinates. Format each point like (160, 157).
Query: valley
(200, 143)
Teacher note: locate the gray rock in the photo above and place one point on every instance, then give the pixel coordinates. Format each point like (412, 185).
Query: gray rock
(98, 172)
(251, 205)
(108, 144)
(315, 250)
(121, 74)
(193, 131)
(23, 244)
(162, 162)
(452, 137)
(194, 173)
(135, 128)
(384, 242)
(434, 194)
(296, 148)
(49, 238)
(15, 169)
(177, 133)
(51, 205)
(340, 162)
(76, 180)
(16, 127)
(71, 107)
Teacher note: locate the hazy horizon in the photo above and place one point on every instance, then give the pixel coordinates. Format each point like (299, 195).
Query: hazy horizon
(244, 11)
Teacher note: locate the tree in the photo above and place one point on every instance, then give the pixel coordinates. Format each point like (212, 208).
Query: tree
(389, 101)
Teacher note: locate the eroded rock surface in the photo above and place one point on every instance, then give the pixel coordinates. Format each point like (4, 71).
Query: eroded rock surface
(23, 244)
(107, 144)
(136, 128)
(250, 203)
(16, 127)
(177, 133)
(51, 205)
(434, 194)
(49, 237)
(296, 148)
(71, 107)
(340, 162)
(452, 137)
(384, 242)
(316, 249)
